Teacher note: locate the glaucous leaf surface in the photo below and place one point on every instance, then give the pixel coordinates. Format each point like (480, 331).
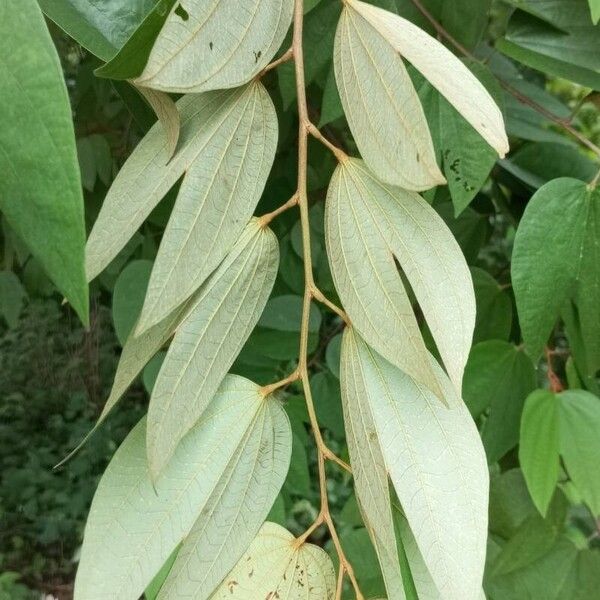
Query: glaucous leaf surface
(236, 510)
(40, 186)
(167, 113)
(100, 26)
(498, 377)
(369, 225)
(382, 106)
(437, 465)
(275, 567)
(368, 465)
(560, 230)
(217, 324)
(135, 525)
(442, 69)
(215, 44)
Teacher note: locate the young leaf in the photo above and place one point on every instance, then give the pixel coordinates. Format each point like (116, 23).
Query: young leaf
(168, 115)
(217, 324)
(539, 447)
(368, 466)
(559, 229)
(382, 106)
(206, 45)
(236, 510)
(368, 226)
(133, 526)
(443, 70)
(437, 464)
(40, 186)
(275, 567)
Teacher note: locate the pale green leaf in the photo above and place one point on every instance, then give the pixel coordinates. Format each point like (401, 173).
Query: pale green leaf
(382, 106)
(215, 44)
(559, 230)
(368, 466)
(595, 10)
(134, 526)
(40, 184)
(539, 447)
(218, 322)
(275, 567)
(436, 462)
(443, 70)
(168, 115)
(368, 225)
(209, 126)
(236, 510)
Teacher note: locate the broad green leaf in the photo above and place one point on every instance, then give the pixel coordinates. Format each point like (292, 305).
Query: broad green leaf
(236, 510)
(222, 134)
(218, 322)
(498, 376)
(274, 567)
(559, 229)
(437, 465)
(95, 160)
(40, 186)
(207, 44)
(284, 313)
(134, 526)
(494, 308)
(128, 297)
(368, 226)
(12, 297)
(579, 424)
(382, 106)
(368, 465)
(100, 26)
(168, 115)
(539, 447)
(443, 70)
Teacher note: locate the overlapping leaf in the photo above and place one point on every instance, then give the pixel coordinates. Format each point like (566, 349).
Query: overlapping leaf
(443, 70)
(134, 527)
(226, 147)
(382, 106)
(368, 226)
(437, 465)
(274, 567)
(218, 322)
(215, 44)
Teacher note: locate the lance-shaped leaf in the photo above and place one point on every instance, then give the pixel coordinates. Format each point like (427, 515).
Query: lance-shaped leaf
(134, 527)
(217, 156)
(382, 106)
(218, 323)
(275, 567)
(236, 510)
(168, 115)
(215, 44)
(437, 465)
(368, 467)
(443, 70)
(368, 226)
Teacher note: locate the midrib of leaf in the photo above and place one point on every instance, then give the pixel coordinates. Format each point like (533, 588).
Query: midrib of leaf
(166, 277)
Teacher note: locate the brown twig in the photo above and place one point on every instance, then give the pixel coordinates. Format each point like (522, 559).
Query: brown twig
(555, 383)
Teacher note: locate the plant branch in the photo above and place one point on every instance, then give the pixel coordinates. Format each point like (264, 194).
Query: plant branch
(285, 57)
(323, 453)
(265, 219)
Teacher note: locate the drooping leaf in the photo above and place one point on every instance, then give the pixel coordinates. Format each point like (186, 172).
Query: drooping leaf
(134, 527)
(222, 133)
(494, 308)
(498, 376)
(368, 226)
(103, 27)
(40, 186)
(559, 229)
(218, 322)
(382, 106)
(368, 465)
(275, 567)
(539, 447)
(437, 464)
(236, 510)
(443, 70)
(207, 45)
(168, 115)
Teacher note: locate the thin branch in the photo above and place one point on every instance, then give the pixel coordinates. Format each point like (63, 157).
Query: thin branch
(323, 452)
(319, 296)
(285, 57)
(337, 152)
(555, 383)
(265, 219)
(273, 387)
